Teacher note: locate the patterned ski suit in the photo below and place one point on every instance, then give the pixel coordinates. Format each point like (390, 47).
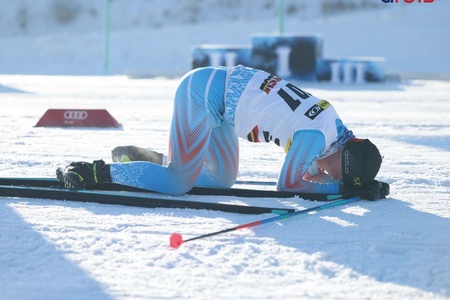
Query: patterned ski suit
(216, 105)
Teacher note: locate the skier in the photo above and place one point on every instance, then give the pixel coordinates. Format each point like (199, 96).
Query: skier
(213, 106)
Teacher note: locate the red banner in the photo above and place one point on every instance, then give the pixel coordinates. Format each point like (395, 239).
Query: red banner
(77, 118)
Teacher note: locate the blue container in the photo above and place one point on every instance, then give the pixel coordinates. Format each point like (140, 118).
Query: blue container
(220, 55)
(351, 70)
(287, 56)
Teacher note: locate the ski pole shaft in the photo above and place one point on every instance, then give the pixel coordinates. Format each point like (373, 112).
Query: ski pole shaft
(176, 239)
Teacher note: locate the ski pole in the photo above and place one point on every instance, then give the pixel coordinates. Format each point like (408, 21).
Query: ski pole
(176, 239)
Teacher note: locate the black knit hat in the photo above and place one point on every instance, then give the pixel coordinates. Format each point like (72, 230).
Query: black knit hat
(361, 162)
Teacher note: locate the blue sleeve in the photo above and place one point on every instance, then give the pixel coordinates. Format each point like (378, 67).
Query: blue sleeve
(307, 146)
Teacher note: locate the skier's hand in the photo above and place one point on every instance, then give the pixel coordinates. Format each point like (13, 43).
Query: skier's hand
(372, 191)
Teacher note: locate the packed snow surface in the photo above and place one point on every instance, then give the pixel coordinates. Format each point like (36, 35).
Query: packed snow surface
(397, 248)
(388, 249)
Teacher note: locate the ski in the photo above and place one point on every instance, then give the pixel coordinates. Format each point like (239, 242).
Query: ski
(149, 200)
(234, 191)
(251, 193)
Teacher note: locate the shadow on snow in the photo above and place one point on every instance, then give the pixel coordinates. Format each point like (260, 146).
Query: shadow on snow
(391, 242)
(33, 268)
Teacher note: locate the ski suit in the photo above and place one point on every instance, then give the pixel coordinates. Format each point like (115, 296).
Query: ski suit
(213, 106)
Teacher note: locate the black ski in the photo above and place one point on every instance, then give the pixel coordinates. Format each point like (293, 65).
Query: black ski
(238, 192)
(150, 200)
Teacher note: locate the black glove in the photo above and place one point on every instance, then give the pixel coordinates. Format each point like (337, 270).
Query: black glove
(372, 191)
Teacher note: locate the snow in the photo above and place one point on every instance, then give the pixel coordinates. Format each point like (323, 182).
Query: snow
(398, 248)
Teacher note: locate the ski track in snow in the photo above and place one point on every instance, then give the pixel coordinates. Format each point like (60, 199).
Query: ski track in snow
(397, 248)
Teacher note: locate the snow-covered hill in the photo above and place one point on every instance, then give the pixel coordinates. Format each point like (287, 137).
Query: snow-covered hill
(156, 37)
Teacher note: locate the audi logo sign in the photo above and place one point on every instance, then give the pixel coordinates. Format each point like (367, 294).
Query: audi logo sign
(75, 115)
(77, 118)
